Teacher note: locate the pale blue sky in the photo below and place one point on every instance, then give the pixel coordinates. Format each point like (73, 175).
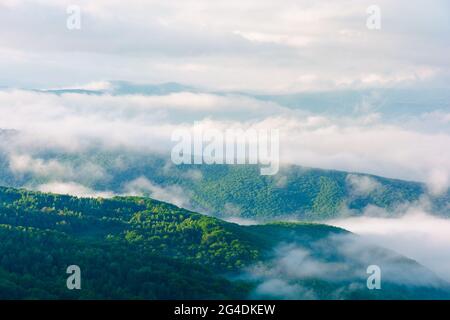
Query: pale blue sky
(387, 111)
(262, 45)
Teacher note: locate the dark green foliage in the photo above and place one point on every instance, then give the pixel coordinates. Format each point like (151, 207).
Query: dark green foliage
(295, 192)
(34, 262)
(139, 248)
(127, 248)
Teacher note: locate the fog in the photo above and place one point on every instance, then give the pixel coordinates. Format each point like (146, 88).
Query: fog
(417, 235)
(74, 123)
(339, 260)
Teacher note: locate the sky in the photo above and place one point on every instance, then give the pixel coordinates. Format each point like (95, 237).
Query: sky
(244, 64)
(249, 45)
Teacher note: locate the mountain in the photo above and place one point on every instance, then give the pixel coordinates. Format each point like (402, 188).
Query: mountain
(140, 248)
(227, 191)
(120, 87)
(389, 103)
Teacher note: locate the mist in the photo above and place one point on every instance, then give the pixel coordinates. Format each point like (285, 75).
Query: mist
(416, 234)
(340, 262)
(77, 123)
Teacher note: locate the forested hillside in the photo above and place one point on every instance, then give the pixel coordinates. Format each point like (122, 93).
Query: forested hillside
(221, 190)
(140, 248)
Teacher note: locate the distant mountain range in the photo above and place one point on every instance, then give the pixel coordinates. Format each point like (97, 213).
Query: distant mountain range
(230, 191)
(125, 87)
(397, 103)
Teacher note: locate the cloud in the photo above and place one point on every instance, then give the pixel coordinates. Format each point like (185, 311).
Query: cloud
(297, 262)
(220, 45)
(298, 271)
(363, 185)
(241, 221)
(438, 180)
(40, 168)
(173, 194)
(417, 234)
(79, 122)
(72, 188)
(52, 169)
(279, 289)
(375, 148)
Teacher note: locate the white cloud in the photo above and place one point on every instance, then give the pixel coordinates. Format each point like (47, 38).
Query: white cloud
(377, 148)
(363, 185)
(341, 260)
(438, 180)
(51, 169)
(40, 168)
(77, 122)
(259, 45)
(282, 290)
(241, 221)
(72, 188)
(173, 194)
(417, 235)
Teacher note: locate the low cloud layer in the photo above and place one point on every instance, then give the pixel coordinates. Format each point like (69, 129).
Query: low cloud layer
(341, 261)
(72, 188)
(173, 194)
(52, 169)
(79, 122)
(417, 235)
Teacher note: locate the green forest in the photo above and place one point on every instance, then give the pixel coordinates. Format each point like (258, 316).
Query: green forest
(140, 248)
(296, 192)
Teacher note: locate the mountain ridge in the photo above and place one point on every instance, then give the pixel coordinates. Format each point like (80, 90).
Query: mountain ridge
(134, 247)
